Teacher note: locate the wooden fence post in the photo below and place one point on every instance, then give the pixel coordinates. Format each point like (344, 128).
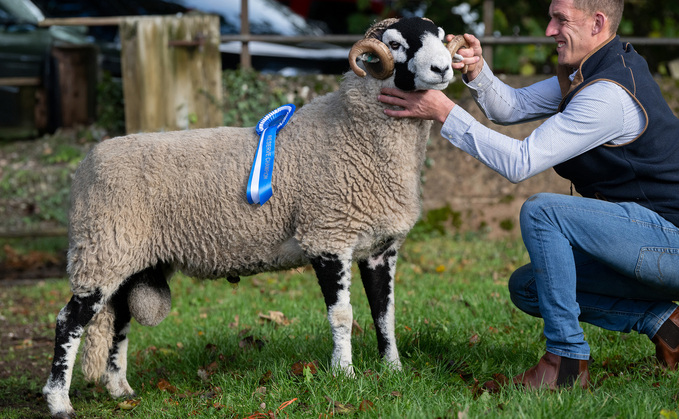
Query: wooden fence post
(76, 67)
(172, 76)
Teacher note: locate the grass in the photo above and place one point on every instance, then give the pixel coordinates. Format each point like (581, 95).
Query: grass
(222, 353)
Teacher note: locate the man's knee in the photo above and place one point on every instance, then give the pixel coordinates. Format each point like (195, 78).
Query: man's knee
(536, 203)
(542, 211)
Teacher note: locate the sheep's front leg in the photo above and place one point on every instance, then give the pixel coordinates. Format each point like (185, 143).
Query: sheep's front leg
(71, 322)
(334, 277)
(377, 273)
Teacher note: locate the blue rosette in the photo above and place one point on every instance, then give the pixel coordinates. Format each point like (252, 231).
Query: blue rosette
(259, 183)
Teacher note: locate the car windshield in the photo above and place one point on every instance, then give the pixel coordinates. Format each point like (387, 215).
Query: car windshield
(19, 11)
(266, 16)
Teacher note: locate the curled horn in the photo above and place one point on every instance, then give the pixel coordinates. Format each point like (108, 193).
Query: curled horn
(454, 45)
(383, 65)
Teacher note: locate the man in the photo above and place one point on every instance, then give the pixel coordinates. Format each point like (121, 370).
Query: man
(610, 257)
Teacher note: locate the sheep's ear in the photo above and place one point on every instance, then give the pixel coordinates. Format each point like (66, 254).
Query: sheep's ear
(442, 34)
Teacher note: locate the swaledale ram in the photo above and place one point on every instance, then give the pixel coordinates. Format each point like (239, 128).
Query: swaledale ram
(346, 187)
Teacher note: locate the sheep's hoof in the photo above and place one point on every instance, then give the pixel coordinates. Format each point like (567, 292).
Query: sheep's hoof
(233, 279)
(394, 365)
(346, 371)
(64, 415)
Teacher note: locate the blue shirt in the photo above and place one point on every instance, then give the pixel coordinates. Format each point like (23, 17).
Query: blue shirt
(601, 113)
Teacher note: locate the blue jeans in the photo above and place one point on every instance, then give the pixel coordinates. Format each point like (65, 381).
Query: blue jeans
(614, 265)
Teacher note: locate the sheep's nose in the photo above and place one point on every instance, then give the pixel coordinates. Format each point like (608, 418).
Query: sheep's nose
(439, 70)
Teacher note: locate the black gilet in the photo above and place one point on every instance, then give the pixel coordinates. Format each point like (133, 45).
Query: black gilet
(645, 170)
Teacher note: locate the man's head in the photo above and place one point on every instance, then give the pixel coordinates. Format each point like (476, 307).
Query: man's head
(579, 26)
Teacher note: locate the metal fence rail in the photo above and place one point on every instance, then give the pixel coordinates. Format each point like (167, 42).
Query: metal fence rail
(485, 40)
(339, 39)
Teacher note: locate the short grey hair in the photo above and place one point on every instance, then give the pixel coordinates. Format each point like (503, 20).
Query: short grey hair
(611, 8)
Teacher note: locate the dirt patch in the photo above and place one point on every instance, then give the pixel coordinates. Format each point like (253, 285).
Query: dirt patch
(27, 345)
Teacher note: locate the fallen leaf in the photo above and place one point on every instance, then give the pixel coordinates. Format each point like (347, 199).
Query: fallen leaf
(366, 405)
(204, 376)
(341, 408)
(26, 343)
(265, 378)
(236, 320)
(668, 414)
(275, 317)
(474, 339)
(164, 385)
(128, 404)
(297, 368)
(211, 367)
(356, 328)
(250, 342)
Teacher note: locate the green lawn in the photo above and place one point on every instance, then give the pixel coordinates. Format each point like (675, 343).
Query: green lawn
(220, 353)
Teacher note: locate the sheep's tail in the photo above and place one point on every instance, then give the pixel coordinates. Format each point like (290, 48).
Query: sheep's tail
(98, 342)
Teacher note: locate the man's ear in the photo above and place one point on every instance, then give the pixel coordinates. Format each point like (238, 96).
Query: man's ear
(600, 22)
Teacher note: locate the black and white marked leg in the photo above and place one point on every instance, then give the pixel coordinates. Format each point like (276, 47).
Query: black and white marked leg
(71, 322)
(334, 277)
(377, 273)
(115, 376)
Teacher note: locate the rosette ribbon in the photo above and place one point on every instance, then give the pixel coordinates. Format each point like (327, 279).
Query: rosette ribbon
(259, 183)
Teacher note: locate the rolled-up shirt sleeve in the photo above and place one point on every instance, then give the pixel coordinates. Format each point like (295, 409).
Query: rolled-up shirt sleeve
(598, 114)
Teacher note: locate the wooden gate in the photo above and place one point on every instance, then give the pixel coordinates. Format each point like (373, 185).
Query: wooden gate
(171, 72)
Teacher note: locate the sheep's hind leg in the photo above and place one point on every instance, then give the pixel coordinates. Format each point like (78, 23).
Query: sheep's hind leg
(334, 277)
(70, 325)
(377, 274)
(145, 296)
(115, 376)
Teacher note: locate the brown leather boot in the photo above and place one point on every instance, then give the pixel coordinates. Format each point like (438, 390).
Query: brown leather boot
(666, 342)
(554, 371)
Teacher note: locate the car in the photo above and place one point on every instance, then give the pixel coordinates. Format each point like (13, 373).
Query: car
(266, 17)
(30, 96)
(28, 70)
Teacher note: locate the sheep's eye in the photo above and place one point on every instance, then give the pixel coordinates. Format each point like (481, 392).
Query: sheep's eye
(394, 45)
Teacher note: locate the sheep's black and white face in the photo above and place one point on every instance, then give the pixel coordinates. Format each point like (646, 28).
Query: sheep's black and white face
(421, 61)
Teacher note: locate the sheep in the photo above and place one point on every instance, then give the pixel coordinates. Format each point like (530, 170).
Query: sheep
(346, 188)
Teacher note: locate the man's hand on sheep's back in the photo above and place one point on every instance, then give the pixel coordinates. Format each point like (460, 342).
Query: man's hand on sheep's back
(423, 104)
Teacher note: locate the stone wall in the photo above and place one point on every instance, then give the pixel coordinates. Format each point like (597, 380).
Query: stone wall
(484, 199)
